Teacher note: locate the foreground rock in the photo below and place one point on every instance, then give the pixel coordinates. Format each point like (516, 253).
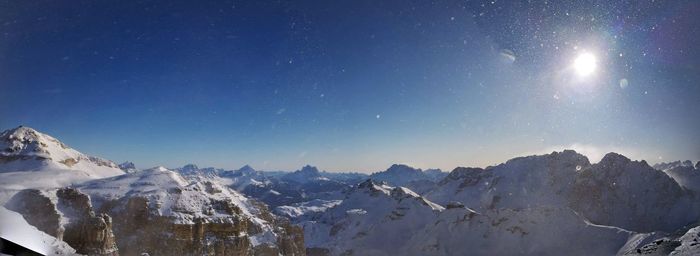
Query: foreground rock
(67, 214)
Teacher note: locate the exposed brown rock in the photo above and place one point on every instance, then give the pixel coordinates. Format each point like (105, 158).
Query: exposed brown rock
(69, 162)
(70, 218)
(140, 229)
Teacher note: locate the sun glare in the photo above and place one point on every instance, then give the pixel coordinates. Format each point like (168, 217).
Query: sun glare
(585, 64)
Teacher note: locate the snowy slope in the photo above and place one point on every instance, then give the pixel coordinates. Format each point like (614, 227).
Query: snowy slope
(533, 231)
(376, 219)
(30, 159)
(522, 182)
(373, 219)
(167, 192)
(306, 210)
(14, 228)
(553, 204)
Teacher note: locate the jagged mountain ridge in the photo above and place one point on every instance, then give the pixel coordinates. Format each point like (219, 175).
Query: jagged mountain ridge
(531, 205)
(528, 205)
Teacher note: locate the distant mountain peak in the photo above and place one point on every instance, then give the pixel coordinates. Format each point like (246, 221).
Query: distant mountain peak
(309, 169)
(305, 174)
(613, 157)
(128, 167)
(401, 175)
(246, 169)
(664, 165)
(401, 168)
(189, 167)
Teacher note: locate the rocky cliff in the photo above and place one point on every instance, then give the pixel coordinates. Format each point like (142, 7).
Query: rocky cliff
(67, 214)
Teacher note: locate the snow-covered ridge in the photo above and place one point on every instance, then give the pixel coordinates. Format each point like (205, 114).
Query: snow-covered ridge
(168, 192)
(402, 175)
(30, 159)
(24, 143)
(177, 200)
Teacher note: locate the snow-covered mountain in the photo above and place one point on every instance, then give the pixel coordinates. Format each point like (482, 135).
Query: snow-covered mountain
(373, 219)
(377, 219)
(304, 175)
(435, 174)
(161, 212)
(30, 159)
(400, 175)
(172, 199)
(552, 204)
(299, 186)
(687, 175)
(632, 195)
(416, 179)
(522, 182)
(665, 166)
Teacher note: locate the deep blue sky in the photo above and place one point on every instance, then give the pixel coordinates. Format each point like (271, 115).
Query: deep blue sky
(352, 85)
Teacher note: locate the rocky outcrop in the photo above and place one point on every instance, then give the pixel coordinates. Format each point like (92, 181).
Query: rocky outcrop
(141, 229)
(290, 240)
(160, 212)
(67, 215)
(128, 167)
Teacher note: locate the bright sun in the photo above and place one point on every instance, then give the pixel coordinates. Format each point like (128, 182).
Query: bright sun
(585, 64)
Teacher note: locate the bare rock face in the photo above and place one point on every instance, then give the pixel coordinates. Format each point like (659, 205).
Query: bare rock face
(159, 212)
(290, 239)
(67, 215)
(141, 229)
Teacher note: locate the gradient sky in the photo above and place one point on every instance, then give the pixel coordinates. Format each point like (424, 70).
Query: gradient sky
(352, 85)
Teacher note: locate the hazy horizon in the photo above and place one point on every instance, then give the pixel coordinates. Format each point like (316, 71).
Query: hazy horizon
(592, 153)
